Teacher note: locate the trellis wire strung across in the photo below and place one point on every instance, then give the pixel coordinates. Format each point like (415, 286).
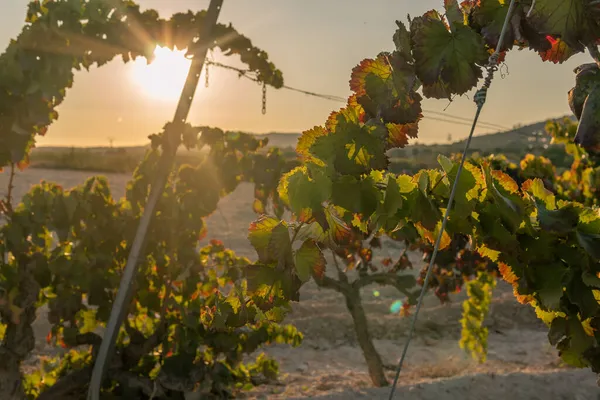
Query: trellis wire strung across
(243, 73)
(171, 135)
(479, 99)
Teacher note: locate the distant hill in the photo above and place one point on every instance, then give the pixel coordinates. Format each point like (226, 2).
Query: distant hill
(515, 138)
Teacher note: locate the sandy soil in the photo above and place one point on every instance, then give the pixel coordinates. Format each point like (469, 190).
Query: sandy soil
(329, 364)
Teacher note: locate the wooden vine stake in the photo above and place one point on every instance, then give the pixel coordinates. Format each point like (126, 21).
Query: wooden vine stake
(171, 143)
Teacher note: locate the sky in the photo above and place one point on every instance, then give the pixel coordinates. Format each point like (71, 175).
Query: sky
(315, 43)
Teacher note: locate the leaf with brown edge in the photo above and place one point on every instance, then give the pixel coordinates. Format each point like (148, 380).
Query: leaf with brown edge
(305, 142)
(379, 67)
(505, 181)
(446, 62)
(259, 234)
(385, 88)
(431, 236)
(507, 273)
(337, 232)
(309, 261)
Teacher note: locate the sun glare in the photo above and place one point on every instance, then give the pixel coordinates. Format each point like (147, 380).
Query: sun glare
(165, 76)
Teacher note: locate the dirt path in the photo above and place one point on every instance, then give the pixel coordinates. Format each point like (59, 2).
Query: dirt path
(329, 365)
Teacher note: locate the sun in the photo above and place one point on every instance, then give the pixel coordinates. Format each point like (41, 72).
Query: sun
(164, 78)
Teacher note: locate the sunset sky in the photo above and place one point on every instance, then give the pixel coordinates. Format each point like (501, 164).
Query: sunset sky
(315, 43)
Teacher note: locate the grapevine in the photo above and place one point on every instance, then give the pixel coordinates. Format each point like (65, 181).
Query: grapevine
(543, 239)
(67, 249)
(546, 247)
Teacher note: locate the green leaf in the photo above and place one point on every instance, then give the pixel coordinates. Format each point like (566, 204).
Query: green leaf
(548, 279)
(453, 13)
(393, 199)
(587, 79)
(309, 260)
(304, 192)
(509, 208)
(359, 196)
(447, 62)
(280, 246)
(590, 243)
(580, 295)
(402, 41)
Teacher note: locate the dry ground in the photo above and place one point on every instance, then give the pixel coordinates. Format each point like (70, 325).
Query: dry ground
(329, 365)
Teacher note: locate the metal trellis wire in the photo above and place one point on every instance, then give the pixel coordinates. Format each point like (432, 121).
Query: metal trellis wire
(123, 299)
(480, 98)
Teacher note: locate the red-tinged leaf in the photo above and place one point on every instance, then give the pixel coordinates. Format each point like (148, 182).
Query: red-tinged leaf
(353, 103)
(558, 53)
(387, 261)
(306, 141)
(573, 21)
(309, 261)
(446, 62)
(379, 67)
(399, 134)
(387, 92)
(49, 337)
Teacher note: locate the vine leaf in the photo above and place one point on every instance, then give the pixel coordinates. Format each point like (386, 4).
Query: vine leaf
(447, 62)
(260, 233)
(303, 193)
(385, 88)
(549, 279)
(359, 196)
(558, 52)
(569, 20)
(280, 246)
(453, 13)
(588, 131)
(587, 78)
(309, 261)
(402, 41)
